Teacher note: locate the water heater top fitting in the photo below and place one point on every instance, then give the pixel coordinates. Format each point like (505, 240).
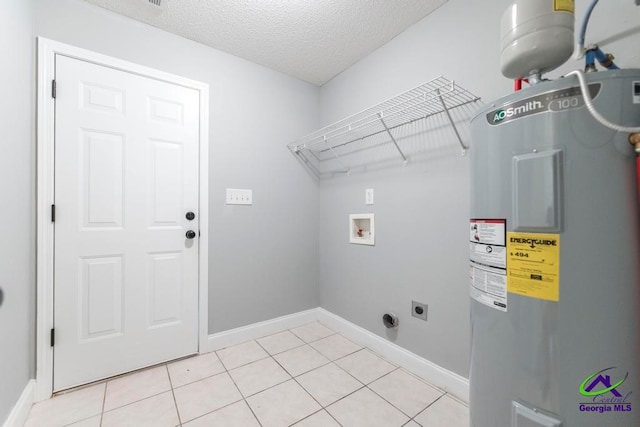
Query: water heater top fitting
(537, 36)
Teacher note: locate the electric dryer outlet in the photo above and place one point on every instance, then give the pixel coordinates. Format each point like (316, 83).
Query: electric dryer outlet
(419, 310)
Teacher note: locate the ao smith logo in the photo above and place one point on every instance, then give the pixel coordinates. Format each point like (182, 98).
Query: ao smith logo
(513, 112)
(552, 101)
(604, 394)
(535, 242)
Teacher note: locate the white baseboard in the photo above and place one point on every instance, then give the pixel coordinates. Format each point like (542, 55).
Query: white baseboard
(434, 374)
(437, 375)
(250, 332)
(20, 412)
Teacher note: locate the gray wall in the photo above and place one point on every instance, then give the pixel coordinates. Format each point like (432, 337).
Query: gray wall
(422, 211)
(260, 265)
(17, 178)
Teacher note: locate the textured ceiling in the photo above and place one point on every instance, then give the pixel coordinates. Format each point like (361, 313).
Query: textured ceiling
(310, 39)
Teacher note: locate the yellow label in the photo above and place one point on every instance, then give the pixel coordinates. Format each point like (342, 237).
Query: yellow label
(533, 265)
(563, 6)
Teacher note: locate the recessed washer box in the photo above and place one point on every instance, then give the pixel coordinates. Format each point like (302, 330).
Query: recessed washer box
(362, 229)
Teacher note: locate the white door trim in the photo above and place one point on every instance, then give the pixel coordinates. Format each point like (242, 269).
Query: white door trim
(47, 50)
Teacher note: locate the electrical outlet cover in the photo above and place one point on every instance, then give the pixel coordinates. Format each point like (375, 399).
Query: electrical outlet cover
(368, 196)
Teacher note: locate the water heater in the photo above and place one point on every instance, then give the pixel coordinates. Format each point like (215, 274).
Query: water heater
(555, 258)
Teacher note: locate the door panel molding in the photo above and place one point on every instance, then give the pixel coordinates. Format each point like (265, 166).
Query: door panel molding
(107, 99)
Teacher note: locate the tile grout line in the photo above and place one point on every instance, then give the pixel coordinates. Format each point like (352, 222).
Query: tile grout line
(391, 403)
(300, 346)
(106, 381)
(394, 406)
(226, 371)
(207, 376)
(294, 379)
(268, 388)
(137, 401)
(341, 357)
(457, 399)
(339, 367)
(428, 406)
(414, 421)
(367, 384)
(215, 410)
(322, 407)
(141, 399)
(309, 342)
(175, 402)
(251, 409)
(396, 367)
(349, 373)
(239, 366)
(314, 413)
(238, 388)
(284, 351)
(384, 375)
(301, 386)
(104, 399)
(275, 354)
(419, 378)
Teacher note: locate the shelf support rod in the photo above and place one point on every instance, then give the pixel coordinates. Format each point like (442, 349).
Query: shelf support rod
(296, 150)
(346, 169)
(393, 139)
(455, 129)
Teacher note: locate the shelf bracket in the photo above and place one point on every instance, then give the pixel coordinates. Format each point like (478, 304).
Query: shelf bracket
(404, 158)
(455, 129)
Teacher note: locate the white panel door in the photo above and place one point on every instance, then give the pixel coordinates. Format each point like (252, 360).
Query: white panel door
(126, 174)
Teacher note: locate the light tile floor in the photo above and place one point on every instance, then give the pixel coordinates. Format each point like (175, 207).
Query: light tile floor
(308, 377)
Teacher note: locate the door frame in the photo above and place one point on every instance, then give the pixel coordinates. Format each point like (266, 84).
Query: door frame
(45, 127)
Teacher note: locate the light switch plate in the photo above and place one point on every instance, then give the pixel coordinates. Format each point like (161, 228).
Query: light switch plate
(368, 196)
(237, 196)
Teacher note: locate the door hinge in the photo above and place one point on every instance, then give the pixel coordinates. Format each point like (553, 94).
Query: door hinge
(54, 88)
(53, 213)
(53, 337)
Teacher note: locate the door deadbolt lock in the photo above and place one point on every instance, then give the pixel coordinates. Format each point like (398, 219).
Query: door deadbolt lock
(190, 216)
(191, 234)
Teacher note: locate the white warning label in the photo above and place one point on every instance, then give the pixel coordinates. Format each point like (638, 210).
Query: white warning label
(488, 262)
(489, 286)
(491, 255)
(488, 231)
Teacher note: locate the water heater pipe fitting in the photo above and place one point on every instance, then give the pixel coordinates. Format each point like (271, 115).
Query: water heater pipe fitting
(589, 104)
(634, 139)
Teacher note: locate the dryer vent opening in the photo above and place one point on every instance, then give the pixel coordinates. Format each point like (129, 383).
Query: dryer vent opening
(390, 320)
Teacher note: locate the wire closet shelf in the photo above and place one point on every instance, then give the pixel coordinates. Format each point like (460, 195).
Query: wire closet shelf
(330, 143)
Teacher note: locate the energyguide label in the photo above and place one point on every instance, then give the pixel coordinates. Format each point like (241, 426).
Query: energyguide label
(534, 265)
